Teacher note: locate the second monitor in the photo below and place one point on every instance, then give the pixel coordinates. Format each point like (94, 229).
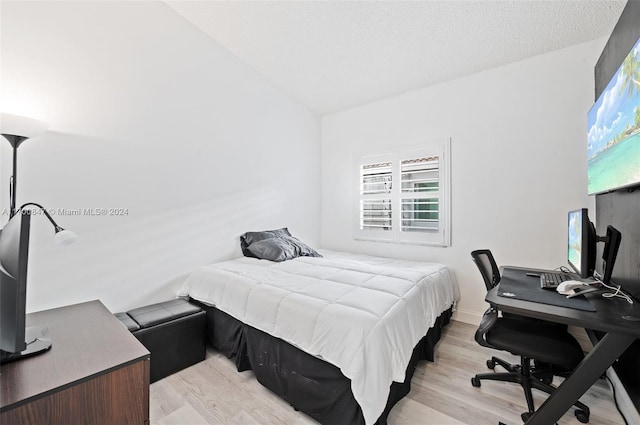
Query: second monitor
(581, 246)
(581, 243)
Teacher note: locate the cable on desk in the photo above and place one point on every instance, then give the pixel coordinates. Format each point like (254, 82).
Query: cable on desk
(618, 292)
(562, 269)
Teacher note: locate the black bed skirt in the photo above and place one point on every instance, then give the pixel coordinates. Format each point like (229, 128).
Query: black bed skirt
(308, 383)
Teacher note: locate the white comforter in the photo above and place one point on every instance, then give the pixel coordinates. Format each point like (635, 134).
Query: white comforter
(360, 313)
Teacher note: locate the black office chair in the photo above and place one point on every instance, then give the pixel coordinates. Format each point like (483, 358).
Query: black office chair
(531, 339)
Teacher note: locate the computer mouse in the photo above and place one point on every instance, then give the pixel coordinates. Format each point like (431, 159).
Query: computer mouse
(567, 287)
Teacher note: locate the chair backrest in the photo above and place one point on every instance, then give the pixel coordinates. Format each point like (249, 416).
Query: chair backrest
(487, 266)
(491, 275)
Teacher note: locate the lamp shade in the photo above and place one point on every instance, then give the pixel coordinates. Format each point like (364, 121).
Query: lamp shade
(65, 237)
(16, 125)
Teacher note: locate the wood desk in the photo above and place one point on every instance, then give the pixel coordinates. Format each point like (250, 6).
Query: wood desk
(619, 334)
(96, 372)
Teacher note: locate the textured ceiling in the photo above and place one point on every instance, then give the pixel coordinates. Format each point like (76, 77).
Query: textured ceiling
(332, 55)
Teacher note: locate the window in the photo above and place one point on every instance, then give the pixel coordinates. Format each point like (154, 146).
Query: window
(404, 196)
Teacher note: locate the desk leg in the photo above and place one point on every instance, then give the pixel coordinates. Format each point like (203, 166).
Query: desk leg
(606, 351)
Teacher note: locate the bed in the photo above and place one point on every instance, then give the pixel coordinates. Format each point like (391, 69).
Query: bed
(337, 336)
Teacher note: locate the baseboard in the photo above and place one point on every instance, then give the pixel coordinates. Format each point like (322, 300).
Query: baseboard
(625, 404)
(467, 316)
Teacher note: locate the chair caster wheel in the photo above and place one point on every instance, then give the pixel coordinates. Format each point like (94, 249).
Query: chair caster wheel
(475, 382)
(582, 416)
(491, 364)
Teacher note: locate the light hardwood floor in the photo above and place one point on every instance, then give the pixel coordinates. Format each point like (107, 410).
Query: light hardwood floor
(213, 392)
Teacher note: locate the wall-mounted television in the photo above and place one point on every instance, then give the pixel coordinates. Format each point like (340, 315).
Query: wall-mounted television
(613, 126)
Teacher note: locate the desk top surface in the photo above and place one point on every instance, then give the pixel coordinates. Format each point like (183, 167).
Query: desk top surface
(87, 341)
(606, 318)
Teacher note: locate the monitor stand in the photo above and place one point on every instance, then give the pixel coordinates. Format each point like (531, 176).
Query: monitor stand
(38, 341)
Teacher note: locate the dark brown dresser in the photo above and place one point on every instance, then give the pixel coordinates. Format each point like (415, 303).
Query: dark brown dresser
(96, 372)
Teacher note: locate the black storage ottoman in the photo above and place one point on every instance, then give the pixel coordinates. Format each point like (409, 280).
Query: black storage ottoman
(173, 332)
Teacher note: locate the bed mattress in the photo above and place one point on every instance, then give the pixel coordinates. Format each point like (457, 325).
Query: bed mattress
(360, 313)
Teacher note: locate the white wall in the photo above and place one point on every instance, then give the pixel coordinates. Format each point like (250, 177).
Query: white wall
(149, 114)
(518, 162)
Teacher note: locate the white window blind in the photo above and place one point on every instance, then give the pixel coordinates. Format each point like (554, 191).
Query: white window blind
(403, 196)
(375, 196)
(420, 194)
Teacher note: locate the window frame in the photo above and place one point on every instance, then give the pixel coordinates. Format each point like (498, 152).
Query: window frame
(441, 237)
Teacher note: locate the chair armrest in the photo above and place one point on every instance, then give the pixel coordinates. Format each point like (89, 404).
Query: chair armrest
(489, 319)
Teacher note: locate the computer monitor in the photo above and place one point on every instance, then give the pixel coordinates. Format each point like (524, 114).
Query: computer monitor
(611, 245)
(581, 243)
(16, 341)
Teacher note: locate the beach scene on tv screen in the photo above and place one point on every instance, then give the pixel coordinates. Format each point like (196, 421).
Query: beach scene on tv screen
(613, 125)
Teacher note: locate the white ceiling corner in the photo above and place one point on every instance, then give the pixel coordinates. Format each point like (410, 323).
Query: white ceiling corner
(332, 55)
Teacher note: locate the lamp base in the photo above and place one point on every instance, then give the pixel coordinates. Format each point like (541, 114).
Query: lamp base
(38, 341)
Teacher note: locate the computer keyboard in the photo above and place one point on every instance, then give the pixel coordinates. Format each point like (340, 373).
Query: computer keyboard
(552, 280)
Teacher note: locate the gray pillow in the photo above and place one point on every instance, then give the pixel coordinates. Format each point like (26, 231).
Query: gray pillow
(281, 248)
(252, 237)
